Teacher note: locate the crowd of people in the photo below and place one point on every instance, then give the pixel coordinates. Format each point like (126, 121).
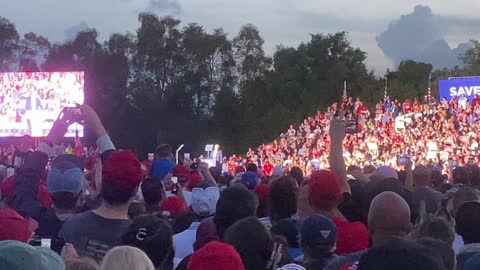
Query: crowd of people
(58, 212)
(442, 134)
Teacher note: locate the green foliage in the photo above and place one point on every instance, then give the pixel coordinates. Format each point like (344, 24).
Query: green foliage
(169, 83)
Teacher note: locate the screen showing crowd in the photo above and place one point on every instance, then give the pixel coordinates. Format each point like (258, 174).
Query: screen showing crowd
(31, 101)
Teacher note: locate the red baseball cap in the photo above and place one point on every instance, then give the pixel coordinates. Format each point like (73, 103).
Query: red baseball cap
(15, 227)
(195, 179)
(173, 206)
(122, 169)
(216, 256)
(324, 191)
(181, 171)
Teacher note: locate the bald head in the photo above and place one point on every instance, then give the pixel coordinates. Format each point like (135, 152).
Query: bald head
(389, 217)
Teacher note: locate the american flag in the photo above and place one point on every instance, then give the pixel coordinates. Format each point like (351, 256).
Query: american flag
(78, 148)
(385, 92)
(429, 89)
(345, 97)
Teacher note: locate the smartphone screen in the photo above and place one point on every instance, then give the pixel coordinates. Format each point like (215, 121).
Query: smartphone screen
(402, 161)
(46, 242)
(151, 156)
(174, 179)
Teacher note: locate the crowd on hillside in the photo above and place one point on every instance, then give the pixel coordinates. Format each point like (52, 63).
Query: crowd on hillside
(441, 134)
(60, 212)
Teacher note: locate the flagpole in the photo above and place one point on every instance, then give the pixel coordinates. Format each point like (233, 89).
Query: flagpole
(385, 94)
(429, 89)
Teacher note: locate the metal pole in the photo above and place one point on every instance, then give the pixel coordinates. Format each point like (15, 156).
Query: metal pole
(178, 150)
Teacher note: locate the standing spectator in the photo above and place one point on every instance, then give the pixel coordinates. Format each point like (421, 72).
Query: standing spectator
(318, 241)
(441, 248)
(163, 164)
(462, 102)
(15, 255)
(235, 203)
(153, 235)
(153, 192)
(126, 258)
(283, 198)
(388, 219)
(423, 191)
(467, 222)
(463, 195)
(400, 255)
(93, 233)
(324, 196)
(297, 173)
(475, 101)
(65, 184)
(204, 201)
(15, 227)
(216, 256)
(252, 241)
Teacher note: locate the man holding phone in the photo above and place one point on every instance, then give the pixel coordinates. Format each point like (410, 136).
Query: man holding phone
(65, 179)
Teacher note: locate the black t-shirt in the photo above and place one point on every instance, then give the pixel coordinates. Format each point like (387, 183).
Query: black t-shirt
(93, 235)
(351, 209)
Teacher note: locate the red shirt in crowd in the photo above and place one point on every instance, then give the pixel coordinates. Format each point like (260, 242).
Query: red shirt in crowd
(476, 101)
(407, 107)
(351, 236)
(453, 104)
(268, 169)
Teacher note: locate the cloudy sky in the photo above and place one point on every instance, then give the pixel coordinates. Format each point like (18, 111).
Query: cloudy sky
(382, 28)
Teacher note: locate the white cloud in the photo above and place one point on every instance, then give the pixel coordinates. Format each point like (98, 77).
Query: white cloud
(280, 21)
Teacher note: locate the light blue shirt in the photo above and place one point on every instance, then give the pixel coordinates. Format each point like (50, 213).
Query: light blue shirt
(183, 242)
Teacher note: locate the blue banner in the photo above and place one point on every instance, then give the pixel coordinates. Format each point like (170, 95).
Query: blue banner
(457, 87)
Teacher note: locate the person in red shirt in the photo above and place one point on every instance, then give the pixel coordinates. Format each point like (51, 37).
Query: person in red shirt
(475, 101)
(453, 103)
(324, 196)
(361, 108)
(268, 168)
(407, 106)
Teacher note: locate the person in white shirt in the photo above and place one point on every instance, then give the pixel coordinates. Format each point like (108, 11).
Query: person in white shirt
(474, 146)
(462, 102)
(400, 122)
(432, 148)
(204, 202)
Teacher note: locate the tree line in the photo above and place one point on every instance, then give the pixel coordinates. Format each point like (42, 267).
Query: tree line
(181, 84)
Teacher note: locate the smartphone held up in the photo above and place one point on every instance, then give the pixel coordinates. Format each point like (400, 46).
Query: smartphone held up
(73, 114)
(351, 126)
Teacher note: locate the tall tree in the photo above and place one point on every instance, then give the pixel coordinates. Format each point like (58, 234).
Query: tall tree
(249, 55)
(471, 59)
(32, 51)
(8, 43)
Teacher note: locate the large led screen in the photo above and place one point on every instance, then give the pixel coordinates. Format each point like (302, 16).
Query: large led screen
(31, 101)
